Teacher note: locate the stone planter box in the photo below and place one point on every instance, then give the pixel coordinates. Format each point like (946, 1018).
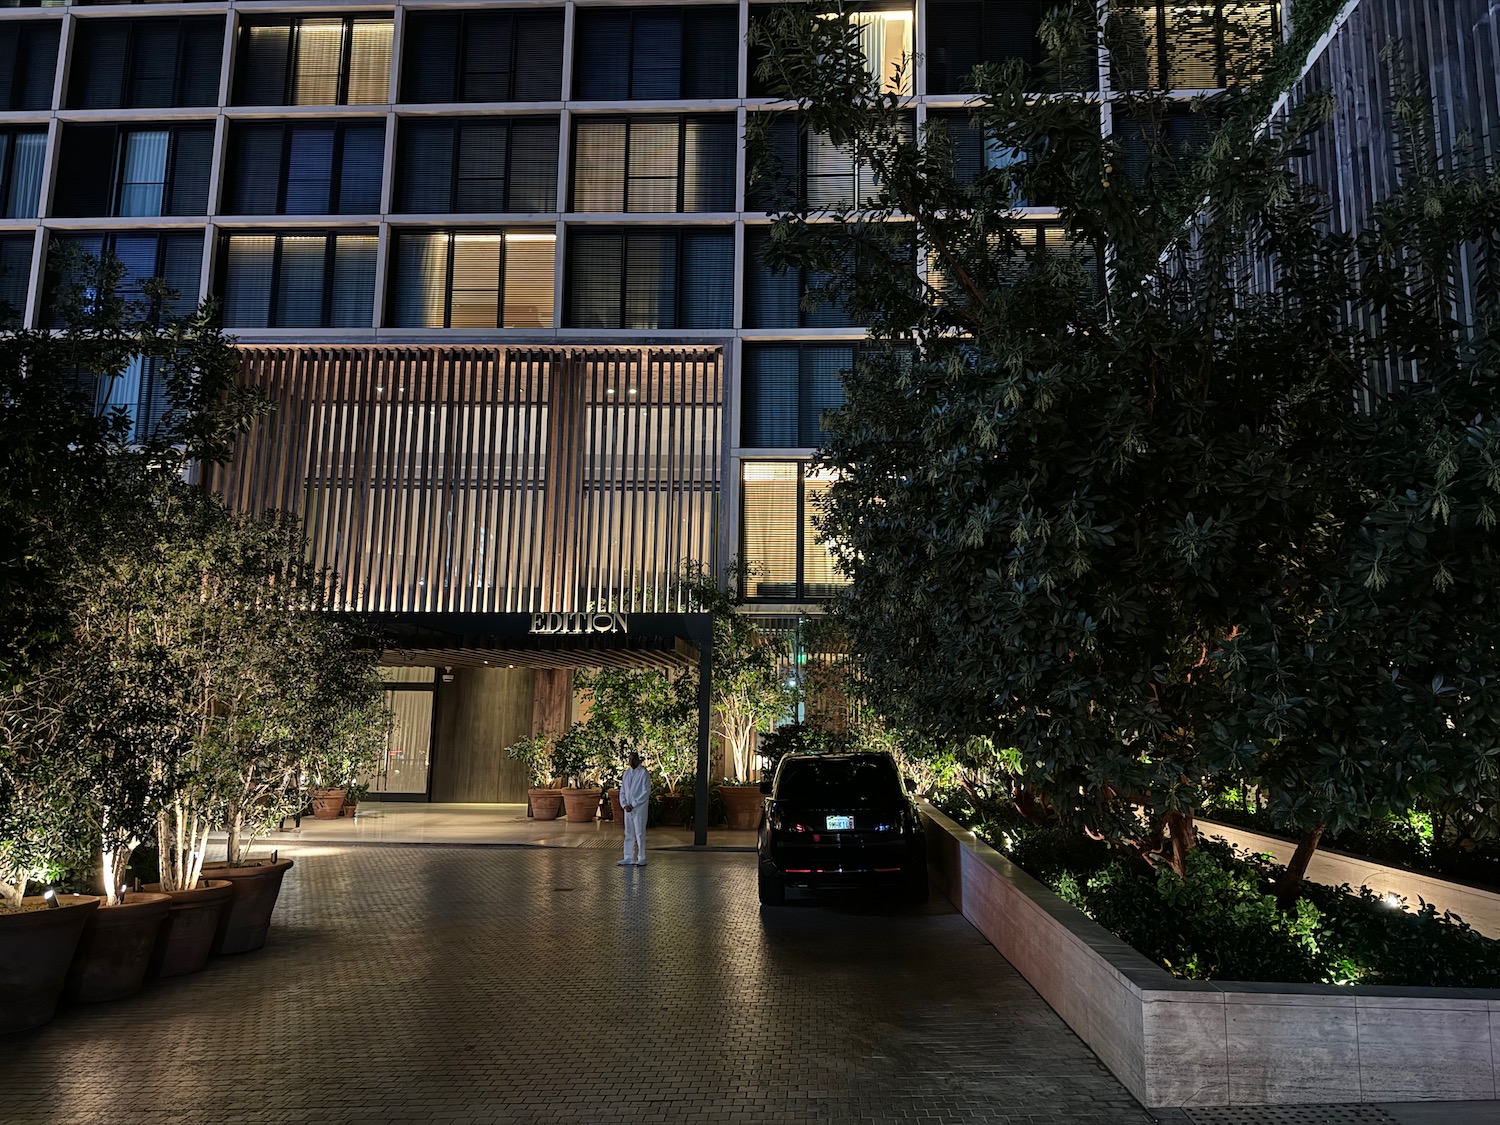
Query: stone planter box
(1220, 1043)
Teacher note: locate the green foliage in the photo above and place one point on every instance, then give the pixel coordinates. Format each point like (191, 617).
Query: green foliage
(538, 752)
(1143, 534)
(649, 711)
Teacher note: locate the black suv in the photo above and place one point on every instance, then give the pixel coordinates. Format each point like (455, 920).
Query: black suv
(840, 820)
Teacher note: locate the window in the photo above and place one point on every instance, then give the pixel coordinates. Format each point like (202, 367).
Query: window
(482, 56)
(654, 164)
(473, 166)
(779, 542)
(1029, 242)
(1167, 44)
(679, 278)
(298, 280)
(885, 36)
(472, 279)
(119, 170)
(973, 151)
(174, 257)
(146, 63)
(1148, 141)
(326, 60)
(799, 169)
(15, 276)
(785, 390)
(317, 168)
(28, 63)
(961, 34)
(23, 152)
(661, 53)
(775, 300)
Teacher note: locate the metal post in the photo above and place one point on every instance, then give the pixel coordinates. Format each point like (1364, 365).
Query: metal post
(705, 702)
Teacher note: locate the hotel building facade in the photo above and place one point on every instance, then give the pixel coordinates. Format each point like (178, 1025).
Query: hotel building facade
(496, 266)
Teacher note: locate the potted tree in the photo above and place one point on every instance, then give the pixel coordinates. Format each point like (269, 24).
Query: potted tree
(538, 753)
(579, 759)
(40, 783)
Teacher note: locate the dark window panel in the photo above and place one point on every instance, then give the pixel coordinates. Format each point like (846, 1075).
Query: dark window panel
(649, 279)
(297, 280)
(473, 166)
(175, 257)
(28, 63)
(23, 154)
(312, 168)
(656, 53)
(786, 390)
(15, 276)
(146, 63)
(482, 56)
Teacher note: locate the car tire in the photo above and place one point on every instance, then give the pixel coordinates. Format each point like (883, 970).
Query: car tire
(772, 888)
(916, 885)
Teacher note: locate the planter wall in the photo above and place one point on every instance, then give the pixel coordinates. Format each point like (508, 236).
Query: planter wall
(1219, 1043)
(245, 922)
(36, 948)
(115, 949)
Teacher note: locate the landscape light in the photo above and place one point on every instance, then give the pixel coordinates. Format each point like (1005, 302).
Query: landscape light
(51, 896)
(1393, 901)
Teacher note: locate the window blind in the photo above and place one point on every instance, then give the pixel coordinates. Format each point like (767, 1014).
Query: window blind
(313, 168)
(798, 168)
(146, 63)
(117, 170)
(482, 56)
(774, 300)
(655, 53)
(473, 166)
(175, 257)
(786, 390)
(649, 279)
(28, 63)
(654, 164)
(15, 276)
(341, 60)
(770, 527)
(298, 280)
(472, 279)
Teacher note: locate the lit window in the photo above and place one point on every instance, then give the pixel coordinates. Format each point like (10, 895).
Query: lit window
(779, 541)
(473, 279)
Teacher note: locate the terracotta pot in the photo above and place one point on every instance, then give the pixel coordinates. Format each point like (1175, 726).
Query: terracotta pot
(614, 807)
(244, 924)
(582, 805)
(350, 807)
(115, 949)
(742, 806)
(546, 804)
(669, 807)
(188, 933)
(36, 948)
(327, 804)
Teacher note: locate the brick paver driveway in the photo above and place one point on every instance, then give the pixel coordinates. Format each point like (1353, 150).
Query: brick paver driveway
(441, 984)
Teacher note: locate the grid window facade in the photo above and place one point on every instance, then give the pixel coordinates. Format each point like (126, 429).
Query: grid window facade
(298, 279)
(1168, 44)
(147, 170)
(472, 279)
(174, 258)
(654, 164)
(627, 54)
(28, 63)
(316, 168)
(314, 60)
(470, 166)
(483, 56)
(146, 63)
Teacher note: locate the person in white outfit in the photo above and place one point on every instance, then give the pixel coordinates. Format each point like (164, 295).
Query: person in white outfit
(635, 799)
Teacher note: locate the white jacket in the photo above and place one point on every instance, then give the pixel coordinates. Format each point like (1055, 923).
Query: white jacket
(635, 787)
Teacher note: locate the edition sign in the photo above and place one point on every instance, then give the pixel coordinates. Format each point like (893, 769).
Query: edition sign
(577, 624)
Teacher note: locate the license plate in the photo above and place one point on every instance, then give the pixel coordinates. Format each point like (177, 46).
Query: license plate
(840, 823)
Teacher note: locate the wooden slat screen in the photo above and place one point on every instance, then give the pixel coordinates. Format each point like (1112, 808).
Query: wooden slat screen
(502, 480)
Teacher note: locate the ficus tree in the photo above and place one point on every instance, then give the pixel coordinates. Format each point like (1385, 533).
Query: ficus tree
(1117, 506)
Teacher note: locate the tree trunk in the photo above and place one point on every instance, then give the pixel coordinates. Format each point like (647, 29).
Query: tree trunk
(1289, 886)
(1180, 837)
(235, 825)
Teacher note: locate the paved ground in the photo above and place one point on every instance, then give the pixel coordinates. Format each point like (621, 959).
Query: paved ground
(452, 984)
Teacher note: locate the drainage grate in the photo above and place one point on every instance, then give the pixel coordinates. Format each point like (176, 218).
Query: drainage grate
(1291, 1115)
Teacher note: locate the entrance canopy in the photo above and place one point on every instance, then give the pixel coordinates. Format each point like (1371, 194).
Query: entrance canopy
(562, 640)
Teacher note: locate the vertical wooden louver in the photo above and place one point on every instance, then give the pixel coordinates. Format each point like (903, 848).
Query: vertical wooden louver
(500, 480)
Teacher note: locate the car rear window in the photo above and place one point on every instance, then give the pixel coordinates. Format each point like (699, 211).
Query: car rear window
(860, 780)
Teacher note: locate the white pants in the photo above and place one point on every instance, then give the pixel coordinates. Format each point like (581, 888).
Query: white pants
(635, 835)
